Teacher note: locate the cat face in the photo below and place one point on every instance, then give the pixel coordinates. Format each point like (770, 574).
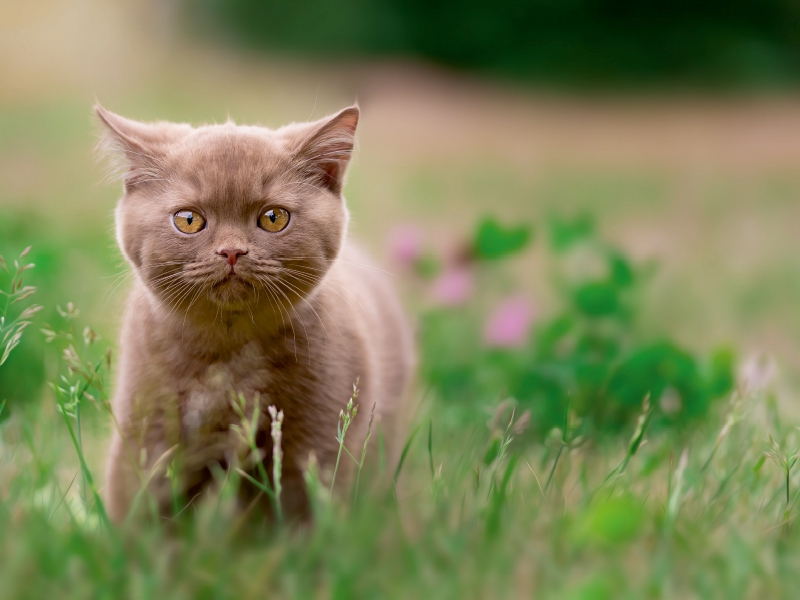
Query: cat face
(232, 216)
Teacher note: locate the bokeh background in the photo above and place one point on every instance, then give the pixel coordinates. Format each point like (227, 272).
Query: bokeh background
(676, 125)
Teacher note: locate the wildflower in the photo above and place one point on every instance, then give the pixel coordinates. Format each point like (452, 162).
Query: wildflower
(405, 245)
(453, 287)
(509, 323)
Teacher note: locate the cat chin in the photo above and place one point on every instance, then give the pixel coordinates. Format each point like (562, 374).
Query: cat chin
(232, 294)
(234, 306)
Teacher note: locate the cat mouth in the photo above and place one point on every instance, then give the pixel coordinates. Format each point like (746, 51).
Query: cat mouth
(231, 291)
(234, 279)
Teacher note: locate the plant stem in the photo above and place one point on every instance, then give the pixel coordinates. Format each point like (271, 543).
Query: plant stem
(336, 467)
(787, 487)
(80, 446)
(262, 471)
(101, 510)
(553, 470)
(276, 420)
(364, 453)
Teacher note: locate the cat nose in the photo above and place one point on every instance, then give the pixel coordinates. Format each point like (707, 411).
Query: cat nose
(233, 255)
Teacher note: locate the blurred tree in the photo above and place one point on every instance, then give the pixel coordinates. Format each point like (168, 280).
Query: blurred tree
(708, 42)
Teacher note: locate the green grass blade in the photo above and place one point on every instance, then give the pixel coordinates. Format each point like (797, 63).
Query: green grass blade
(101, 510)
(430, 447)
(403, 455)
(255, 482)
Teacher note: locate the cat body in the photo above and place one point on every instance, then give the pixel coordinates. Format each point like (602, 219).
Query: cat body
(245, 290)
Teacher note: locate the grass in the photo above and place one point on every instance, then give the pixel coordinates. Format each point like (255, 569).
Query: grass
(480, 505)
(663, 515)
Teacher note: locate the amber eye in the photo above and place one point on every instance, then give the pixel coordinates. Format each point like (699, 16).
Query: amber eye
(274, 220)
(188, 221)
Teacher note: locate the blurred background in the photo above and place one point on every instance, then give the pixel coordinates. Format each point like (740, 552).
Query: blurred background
(676, 125)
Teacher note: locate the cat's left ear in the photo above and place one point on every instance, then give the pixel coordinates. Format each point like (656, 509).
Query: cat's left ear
(326, 152)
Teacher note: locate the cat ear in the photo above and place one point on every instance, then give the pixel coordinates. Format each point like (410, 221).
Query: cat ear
(325, 153)
(141, 145)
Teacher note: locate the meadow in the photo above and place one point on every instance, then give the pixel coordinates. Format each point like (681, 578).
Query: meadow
(691, 492)
(578, 457)
(604, 290)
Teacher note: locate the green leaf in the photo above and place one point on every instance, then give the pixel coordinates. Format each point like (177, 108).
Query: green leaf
(621, 270)
(493, 241)
(655, 367)
(597, 299)
(565, 232)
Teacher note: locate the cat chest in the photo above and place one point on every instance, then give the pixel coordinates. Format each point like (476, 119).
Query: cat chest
(207, 392)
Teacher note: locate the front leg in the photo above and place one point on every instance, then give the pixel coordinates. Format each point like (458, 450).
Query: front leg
(123, 480)
(257, 506)
(136, 479)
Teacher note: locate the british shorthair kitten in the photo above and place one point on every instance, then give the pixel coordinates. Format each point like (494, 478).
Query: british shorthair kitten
(245, 286)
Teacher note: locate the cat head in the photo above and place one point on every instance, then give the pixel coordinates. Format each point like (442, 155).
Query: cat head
(231, 215)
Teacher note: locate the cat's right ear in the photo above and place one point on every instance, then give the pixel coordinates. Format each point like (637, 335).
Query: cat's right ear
(140, 146)
(324, 148)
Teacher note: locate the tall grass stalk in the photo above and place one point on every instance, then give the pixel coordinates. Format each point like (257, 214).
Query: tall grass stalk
(346, 417)
(676, 491)
(246, 430)
(635, 442)
(159, 466)
(403, 455)
(430, 448)
(101, 511)
(502, 450)
(784, 459)
(364, 453)
(564, 442)
(276, 418)
(11, 329)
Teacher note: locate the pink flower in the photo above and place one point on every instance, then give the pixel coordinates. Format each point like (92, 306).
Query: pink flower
(509, 323)
(453, 286)
(405, 244)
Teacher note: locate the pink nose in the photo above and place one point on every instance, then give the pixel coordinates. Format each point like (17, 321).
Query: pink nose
(233, 255)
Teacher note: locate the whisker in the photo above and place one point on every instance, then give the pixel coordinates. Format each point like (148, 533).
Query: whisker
(123, 277)
(200, 287)
(299, 318)
(172, 292)
(320, 281)
(270, 302)
(304, 299)
(269, 286)
(337, 259)
(324, 281)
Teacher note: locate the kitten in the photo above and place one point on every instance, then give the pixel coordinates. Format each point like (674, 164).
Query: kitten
(246, 286)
